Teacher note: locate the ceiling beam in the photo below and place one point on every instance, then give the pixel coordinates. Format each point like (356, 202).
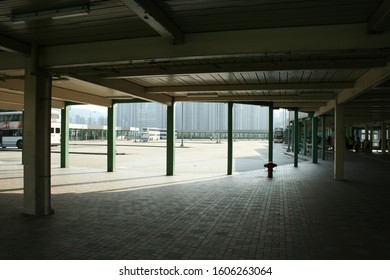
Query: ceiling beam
(380, 20)
(14, 101)
(236, 43)
(248, 87)
(11, 106)
(60, 104)
(14, 46)
(130, 89)
(249, 98)
(12, 98)
(314, 104)
(79, 97)
(369, 80)
(12, 61)
(222, 67)
(150, 13)
(58, 92)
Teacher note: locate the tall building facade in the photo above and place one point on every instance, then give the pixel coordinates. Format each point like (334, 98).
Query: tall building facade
(192, 116)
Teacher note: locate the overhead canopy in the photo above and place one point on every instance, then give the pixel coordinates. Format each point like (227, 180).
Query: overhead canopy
(309, 55)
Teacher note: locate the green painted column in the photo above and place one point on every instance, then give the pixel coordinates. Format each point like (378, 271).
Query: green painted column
(270, 132)
(171, 139)
(37, 132)
(383, 138)
(314, 139)
(65, 136)
(230, 139)
(304, 137)
(339, 144)
(323, 135)
(296, 137)
(111, 138)
(23, 136)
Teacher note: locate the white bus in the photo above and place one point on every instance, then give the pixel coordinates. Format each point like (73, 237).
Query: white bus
(11, 129)
(150, 134)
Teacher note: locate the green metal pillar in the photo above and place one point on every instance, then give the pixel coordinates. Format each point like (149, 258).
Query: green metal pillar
(22, 137)
(323, 135)
(270, 132)
(230, 139)
(296, 137)
(304, 137)
(65, 136)
(383, 138)
(171, 139)
(314, 139)
(111, 139)
(339, 144)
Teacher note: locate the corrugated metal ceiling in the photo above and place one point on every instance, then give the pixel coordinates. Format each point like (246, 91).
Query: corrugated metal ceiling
(230, 71)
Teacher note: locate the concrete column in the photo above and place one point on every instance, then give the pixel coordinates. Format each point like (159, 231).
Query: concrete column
(270, 132)
(36, 136)
(230, 139)
(296, 137)
(314, 139)
(65, 136)
(323, 135)
(171, 139)
(339, 142)
(111, 138)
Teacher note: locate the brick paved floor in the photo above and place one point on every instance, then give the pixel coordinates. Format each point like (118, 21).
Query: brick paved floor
(302, 213)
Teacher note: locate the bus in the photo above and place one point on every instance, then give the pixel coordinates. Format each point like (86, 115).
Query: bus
(150, 134)
(278, 135)
(11, 129)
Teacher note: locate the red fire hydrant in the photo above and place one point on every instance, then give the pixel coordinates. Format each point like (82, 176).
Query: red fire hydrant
(269, 167)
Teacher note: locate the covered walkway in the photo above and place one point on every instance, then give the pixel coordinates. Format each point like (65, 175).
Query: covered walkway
(302, 213)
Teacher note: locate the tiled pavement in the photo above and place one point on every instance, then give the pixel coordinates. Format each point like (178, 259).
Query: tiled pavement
(302, 213)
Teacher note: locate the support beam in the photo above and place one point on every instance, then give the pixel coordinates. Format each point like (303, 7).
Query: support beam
(255, 98)
(36, 135)
(224, 67)
(369, 80)
(249, 87)
(14, 46)
(296, 137)
(216, 44)
(130, 89)
(380, 21)
(270, 133)
(61, 93)
(314, 139)
(339, 142)
(111, 138)
(65, 136)
(149, 12)
(171, 138)
(230, 139)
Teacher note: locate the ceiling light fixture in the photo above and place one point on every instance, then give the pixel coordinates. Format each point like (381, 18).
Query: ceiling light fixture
(60, 13)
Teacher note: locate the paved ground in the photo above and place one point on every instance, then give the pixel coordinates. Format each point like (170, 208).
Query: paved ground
(138, 213)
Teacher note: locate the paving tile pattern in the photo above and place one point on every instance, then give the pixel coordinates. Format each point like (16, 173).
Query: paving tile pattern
(302, 213)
